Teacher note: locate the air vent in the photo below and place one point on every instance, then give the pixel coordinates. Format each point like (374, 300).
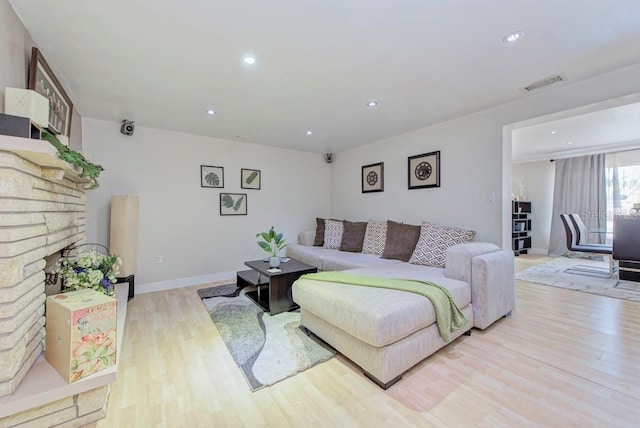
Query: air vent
(544, 82)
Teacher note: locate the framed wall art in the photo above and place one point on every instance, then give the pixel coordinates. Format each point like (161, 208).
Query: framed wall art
(43, 81)
(373, 178)
(424, 170)
(233, 204)
(211, 176)
(250, 179)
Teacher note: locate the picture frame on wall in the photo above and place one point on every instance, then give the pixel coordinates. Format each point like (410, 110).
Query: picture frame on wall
(373, 178)
(250, 178)
(211, 176)
(233, 204)
(42, 80)
(424, 170)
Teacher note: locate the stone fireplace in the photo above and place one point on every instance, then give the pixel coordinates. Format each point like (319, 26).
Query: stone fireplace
(42, 211)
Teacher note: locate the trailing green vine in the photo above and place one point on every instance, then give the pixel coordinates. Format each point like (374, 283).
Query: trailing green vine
(88, 170)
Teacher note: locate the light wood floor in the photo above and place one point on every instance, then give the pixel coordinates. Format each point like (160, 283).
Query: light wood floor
(564, 359)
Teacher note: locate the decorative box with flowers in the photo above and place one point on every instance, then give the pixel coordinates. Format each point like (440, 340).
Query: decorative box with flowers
(90, 270)
(80, 333)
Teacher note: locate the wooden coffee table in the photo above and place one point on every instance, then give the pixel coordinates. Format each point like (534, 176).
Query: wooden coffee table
(273, 289)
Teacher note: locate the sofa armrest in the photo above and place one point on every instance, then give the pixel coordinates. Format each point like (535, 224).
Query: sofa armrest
(490, 272)
(459, 259)
(493, 286)
(307, 237)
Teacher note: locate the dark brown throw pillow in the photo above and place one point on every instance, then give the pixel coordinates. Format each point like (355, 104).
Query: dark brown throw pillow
(319, 240)
(401, 241)
(353, 236)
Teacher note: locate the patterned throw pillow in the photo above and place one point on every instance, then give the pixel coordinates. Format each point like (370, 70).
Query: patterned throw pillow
(375, 237)
(332, 234)
(431, 249)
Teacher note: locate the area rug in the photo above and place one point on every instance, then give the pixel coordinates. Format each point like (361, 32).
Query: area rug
(266, 348)
(557, 273)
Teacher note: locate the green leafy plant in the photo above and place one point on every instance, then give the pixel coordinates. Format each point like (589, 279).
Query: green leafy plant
(88, 170)
(251, 177)
(271, 242)
(212, 178)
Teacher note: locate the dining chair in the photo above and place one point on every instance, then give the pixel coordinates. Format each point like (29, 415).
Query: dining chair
(626, 246)
(576, 235)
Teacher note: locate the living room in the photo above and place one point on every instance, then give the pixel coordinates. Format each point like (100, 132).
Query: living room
(184, 242)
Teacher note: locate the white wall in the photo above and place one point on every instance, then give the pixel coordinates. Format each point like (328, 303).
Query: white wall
(15, 49)
(539, 182)
(476, 160)
(179, 220)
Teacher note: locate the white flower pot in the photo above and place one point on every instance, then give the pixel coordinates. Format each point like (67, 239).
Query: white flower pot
(274, 261)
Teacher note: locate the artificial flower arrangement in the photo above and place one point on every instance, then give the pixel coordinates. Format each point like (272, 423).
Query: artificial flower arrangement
(90, 270)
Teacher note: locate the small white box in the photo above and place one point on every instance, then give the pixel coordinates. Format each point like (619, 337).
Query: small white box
(27, 103)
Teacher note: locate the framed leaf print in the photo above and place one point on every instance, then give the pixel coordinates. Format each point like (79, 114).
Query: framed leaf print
(250, 179)
(424, 170)
(233, 204)
(211, 176)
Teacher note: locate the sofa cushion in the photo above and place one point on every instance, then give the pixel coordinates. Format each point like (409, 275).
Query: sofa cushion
(353, 236)
(375, 237)
(319, 240)
(325, 259)
(431, 249)
(332, 234)
(401, 241)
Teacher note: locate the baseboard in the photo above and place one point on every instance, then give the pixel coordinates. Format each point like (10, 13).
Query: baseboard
(539, 251)
(151, 287)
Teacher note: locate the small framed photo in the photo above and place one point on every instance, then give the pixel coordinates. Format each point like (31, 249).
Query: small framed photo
(233, 204)
(250, 179)
(211, 176)
(424, 170)
(373, 178)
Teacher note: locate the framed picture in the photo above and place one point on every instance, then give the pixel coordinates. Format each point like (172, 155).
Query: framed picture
(424, 170)
(250, 179)
(42, 80)
(233, 204)
(211, 176)
(373, 178)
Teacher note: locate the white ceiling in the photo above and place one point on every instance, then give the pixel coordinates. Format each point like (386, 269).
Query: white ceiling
(162, 63)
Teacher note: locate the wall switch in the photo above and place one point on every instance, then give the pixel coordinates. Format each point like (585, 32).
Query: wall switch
(159, 259)
(492, 197)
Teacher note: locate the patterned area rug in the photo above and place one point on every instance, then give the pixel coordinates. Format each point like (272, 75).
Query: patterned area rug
(561, 272)
(267, 348)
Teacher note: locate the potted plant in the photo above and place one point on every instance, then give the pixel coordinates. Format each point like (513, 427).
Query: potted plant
(272, 242)
(90, 270)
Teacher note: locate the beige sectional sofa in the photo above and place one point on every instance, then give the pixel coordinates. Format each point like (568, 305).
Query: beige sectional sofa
(384, 331)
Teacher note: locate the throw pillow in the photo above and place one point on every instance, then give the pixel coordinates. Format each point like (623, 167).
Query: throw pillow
(375, 237)
(401, 241)
(431, 249)
(319, 240)
(332, 234)
(353, 236)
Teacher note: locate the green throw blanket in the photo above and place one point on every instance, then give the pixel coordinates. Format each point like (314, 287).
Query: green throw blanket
(449, 318)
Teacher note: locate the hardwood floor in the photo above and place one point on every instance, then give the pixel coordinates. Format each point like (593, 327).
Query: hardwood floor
(564, 359)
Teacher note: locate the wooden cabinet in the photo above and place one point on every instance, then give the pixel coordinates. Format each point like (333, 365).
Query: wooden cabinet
(521, 227)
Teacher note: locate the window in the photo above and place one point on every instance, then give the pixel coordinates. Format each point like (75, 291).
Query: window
(623, 183)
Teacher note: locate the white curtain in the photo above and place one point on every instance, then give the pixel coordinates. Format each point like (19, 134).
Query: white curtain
(580, 187)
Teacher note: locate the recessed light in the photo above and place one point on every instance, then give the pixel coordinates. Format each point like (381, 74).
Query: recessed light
(309, 132)
(569, 143)
(372, 103)
(552, 132)
(211, 112)
(248, 59)
(512, 38)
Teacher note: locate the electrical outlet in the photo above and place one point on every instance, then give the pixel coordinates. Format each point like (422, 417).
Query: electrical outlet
(159, 259)
(492, 197)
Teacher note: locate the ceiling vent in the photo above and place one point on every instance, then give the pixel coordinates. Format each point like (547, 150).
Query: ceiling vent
(544, 82)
